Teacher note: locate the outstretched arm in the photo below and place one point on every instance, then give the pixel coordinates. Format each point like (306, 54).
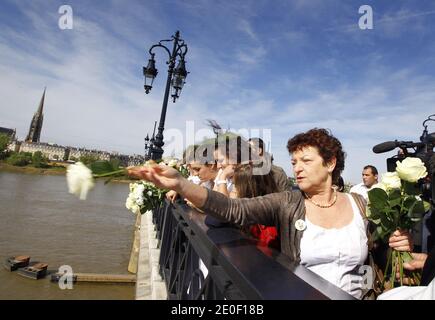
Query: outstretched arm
(263, 210)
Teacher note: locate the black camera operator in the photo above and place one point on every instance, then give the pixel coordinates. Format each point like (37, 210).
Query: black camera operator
(425, 151)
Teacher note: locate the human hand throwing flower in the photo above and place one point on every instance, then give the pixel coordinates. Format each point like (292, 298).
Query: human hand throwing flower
(168, 178)
(164, 177)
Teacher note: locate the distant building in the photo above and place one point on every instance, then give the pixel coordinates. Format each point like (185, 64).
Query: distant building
(52, 152)
(76, 153)
(10, 132)
(56, 152)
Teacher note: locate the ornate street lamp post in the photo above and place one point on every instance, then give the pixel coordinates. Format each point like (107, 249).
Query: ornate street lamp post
(176, 80)
(147, 148)
(149, 143)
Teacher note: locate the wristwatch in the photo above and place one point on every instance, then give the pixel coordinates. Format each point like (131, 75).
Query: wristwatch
(219, 182)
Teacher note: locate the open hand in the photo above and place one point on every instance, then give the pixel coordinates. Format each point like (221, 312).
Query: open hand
(416, 264)
(171, 195)
(419, 259)
(228, 172)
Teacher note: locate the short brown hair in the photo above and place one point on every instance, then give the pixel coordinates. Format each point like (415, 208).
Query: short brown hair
(328, 146)
(250, 185)
(372, 168)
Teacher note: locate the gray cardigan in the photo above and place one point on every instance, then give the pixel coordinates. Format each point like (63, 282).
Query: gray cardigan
(281, 210)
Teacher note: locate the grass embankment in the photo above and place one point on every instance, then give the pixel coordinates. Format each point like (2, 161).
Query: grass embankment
(52, 170)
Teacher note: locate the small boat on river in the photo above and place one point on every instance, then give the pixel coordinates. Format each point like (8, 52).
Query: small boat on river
(14, 263)
(34, 271)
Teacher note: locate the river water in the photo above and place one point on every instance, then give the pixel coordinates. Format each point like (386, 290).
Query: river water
(39, 218)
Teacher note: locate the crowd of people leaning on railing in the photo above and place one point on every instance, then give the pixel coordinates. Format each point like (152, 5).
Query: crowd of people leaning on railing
(313, 222)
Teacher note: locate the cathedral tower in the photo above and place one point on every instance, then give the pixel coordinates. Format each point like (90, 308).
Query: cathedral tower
(34, 134)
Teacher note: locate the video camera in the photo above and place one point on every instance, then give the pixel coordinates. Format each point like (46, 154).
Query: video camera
(423, 150)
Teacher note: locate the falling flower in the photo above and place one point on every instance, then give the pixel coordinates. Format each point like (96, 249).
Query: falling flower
(79, 179)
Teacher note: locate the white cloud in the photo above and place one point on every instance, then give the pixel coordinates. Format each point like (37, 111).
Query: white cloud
(95, 96)
(394, 24)
(251, 55)
(246, 28)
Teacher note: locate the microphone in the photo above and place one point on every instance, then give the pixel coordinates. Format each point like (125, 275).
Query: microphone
(385, 146)
(391, 145)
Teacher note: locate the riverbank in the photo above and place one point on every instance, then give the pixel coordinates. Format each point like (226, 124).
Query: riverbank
(51, 171)
(32, 170)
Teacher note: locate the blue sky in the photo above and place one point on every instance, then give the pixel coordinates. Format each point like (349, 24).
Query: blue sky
(287, 66)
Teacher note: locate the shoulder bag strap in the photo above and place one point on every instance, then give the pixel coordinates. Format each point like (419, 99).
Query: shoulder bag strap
(361, 204)
(377, 286)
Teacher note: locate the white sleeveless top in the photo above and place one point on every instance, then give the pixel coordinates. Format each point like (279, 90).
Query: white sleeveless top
(337, 254)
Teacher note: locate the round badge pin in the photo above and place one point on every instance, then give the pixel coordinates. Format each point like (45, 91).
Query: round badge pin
(300, 225)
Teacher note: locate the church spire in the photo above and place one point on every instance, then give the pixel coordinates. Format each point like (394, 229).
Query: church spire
(34, 134)
(41, 103)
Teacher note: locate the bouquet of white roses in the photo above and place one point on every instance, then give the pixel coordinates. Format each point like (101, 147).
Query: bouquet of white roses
(395, 203)
(144, 196)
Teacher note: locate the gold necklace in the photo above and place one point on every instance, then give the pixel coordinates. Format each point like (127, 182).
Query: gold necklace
(324, 205)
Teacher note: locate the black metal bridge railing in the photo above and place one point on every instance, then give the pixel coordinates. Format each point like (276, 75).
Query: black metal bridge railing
(202, 263)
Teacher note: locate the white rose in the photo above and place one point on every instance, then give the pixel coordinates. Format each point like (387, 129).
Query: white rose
(391, 180)
(173, 163)
(139, 201)
(135, 208)
(138, 194)
(194, 179)
(411, 169)
(133, 186)
(79, 179)
(129, 202)
(140, 188)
